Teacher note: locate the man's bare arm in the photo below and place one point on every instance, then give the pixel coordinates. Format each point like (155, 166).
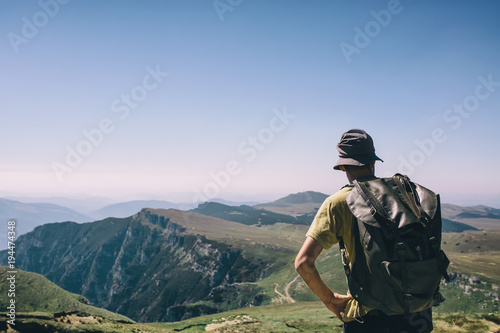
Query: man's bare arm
(305, 266)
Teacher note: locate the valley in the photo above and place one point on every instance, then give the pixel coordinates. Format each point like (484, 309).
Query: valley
(169, 265)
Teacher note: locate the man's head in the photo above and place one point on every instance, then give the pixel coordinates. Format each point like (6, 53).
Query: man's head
(356, 152)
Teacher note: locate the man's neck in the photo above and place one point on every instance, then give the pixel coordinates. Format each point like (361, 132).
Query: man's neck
(360, 177)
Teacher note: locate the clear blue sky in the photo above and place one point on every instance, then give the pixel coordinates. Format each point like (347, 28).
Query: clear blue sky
(253, 93)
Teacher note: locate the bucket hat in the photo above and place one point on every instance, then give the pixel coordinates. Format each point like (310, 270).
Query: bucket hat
(356, 148)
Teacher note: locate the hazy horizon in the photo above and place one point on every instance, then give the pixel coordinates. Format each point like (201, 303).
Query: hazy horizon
(97, 202)
(189, 100)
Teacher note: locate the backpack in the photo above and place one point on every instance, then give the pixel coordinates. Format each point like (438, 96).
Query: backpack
(398, 262)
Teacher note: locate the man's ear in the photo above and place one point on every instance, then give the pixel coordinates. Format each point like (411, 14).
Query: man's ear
(341, 167)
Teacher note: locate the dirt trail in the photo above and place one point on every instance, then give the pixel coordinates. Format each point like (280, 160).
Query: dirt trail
(286, 298)
(287, 288)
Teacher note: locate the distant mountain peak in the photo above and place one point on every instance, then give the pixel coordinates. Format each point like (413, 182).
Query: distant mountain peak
(243, 214)
(302, 197)
(234, 203)
(298, 204)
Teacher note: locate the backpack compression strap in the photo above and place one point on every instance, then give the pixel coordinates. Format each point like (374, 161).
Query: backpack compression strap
(413, 202)
(343, 256)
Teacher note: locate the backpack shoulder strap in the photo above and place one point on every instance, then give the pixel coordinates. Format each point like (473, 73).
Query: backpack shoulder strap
(388, 198)
(371, 201)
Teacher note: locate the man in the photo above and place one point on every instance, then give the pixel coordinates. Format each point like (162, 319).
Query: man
(334, 221)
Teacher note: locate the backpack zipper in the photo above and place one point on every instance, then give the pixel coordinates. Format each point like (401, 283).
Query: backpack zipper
(419, 252)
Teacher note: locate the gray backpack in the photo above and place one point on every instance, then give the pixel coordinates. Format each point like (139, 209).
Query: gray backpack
(398, 262)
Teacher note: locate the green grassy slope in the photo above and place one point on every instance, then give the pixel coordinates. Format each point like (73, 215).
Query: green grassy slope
(454, 226)
(296, 204)
(284, 236)
(313, 317)
(34, 293)
(481, 217)
(296, 317)
(480, 223)
(473, 290)
(282, 283)
(472, 295)
(244, 214)
(475, 253)
(467, 308)
(291, 209)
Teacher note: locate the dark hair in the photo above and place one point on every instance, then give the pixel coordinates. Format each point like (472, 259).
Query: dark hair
(353, 168)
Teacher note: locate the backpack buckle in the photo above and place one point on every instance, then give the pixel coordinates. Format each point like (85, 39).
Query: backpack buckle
(407, 301)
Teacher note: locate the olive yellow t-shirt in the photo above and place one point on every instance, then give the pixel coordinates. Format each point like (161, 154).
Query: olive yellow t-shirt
(333, 221)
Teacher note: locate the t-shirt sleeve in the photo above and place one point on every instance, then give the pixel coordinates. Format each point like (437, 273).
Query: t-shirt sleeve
(327, 226)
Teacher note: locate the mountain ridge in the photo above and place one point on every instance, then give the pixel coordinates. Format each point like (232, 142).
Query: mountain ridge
(30, 215)
(128, 208)
(121, 264)
(245, 214)
(170, 265)
(301, 197)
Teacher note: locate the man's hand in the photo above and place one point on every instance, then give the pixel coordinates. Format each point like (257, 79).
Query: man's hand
(305, 266)
(337, 304)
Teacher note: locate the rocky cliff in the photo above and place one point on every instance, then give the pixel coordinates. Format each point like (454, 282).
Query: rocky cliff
(146, 267)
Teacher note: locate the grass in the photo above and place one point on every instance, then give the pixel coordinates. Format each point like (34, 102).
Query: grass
(475, 253)
(480, 223)
(313, 317)
(485, 266)
(461, 323)
(34, 293)
(479, 297)
(296, 317)
(79, 322)
(466, 309)
(304, 316)
(291, 209)
(283, 236)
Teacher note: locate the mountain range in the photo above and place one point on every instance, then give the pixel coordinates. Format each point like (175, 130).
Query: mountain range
(43, 307)
(128, 208)
(247, 215)
(186, 262)
(162, 265)
(298, 208)
(481, 217)
(30, 215)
